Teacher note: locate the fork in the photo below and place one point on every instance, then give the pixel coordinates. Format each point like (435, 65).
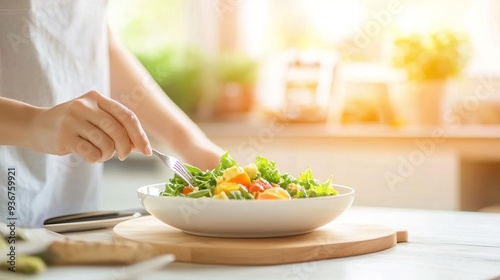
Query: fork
(176, 166)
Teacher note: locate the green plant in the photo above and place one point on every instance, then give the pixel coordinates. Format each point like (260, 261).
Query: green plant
(179, 72)
(432, 56)
(237, 67)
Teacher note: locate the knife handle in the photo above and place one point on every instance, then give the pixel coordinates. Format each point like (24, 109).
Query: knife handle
(79, 252)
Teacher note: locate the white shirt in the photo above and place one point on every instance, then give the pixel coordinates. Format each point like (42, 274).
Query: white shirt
(50, 52)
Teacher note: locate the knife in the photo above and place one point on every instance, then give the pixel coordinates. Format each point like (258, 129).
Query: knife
(91, 220)
(40, 247)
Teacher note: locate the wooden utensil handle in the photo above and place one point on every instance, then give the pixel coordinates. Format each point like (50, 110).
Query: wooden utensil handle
(78, 252)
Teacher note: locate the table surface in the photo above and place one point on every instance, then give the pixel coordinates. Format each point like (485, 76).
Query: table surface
(442, 245)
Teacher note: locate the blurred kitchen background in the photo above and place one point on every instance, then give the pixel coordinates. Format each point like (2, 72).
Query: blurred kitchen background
(398, 99)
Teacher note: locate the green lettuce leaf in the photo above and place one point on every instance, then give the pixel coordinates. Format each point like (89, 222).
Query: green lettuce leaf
(306, 179)
(205, 181)
(225, 162)
(287, 179)
(326, 188)
(267, 170)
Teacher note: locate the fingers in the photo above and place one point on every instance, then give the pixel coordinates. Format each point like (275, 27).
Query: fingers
(98, 139)
(95, 127)
(92, 126)
(90, 142)
(84, 148)
(113, 130)
(123, 118)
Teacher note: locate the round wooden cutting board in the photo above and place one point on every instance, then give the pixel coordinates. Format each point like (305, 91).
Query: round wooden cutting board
(334, 240)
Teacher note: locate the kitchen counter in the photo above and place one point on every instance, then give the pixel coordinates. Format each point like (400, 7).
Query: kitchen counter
(332, 130)
(449, 167)
(442, 245)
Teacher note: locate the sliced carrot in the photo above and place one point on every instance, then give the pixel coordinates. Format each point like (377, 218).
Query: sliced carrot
(242, 179)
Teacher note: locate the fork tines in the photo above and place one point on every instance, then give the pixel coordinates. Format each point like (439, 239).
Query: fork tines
(181, 170)
(176, 166)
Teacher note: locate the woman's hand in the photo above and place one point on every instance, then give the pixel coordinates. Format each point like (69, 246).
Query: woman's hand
(92, 126)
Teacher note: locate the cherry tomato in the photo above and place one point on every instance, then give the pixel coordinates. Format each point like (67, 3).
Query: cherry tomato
(258, 186)
(187, 190)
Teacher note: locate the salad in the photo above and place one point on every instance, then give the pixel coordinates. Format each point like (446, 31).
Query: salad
(260, 180)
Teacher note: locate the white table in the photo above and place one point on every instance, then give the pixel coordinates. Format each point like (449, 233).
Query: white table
(442, 245)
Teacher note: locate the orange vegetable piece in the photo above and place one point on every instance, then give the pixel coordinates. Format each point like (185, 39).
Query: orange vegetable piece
(274, 193)
(258, 186)
(187, 190)
(242, 179)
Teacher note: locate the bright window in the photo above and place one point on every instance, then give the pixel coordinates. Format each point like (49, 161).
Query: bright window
(209, 50)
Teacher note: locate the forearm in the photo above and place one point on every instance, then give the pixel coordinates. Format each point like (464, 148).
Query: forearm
(132, 85)
(16, 120)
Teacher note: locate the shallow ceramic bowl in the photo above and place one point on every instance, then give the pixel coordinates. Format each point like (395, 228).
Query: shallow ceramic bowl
(244, 218)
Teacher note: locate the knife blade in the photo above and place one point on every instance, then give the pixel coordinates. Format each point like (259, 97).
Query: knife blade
(91, 220)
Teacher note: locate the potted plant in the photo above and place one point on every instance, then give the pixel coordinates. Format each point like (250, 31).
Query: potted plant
(430, 61)
(179, 72)
(237, 75)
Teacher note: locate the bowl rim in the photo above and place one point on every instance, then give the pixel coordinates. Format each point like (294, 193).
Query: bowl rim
(350, 192)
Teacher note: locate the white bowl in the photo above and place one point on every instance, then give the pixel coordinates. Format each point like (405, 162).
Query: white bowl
(244, 218)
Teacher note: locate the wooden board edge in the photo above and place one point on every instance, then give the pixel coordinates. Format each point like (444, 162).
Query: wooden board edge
(294, 255)
(402, 235)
